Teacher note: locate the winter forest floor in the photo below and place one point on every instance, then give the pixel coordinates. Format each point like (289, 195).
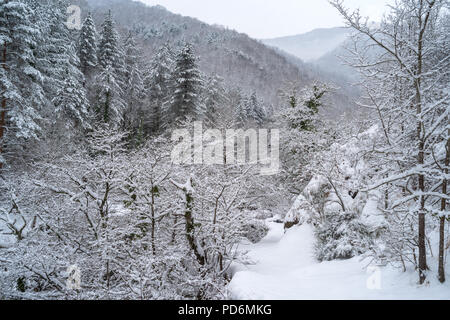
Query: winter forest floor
(283, 267)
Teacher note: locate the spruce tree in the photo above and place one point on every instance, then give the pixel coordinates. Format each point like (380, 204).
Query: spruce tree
(215, 98)
(20, 80)
(240, 114)
(71, 102)
(133, 84)
(110, 104)
(87, 45)
(60, 64)
(188, 86)
(57, 52)
(157, 84)
(255, 109)
(109, 51)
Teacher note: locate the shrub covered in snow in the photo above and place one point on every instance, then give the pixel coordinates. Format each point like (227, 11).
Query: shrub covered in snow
(309, 205)
(341, 236)
(254, 230)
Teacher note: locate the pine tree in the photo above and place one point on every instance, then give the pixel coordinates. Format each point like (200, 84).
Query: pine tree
(188, 86)
(303, 114)
(56, 54)
(240, 114)
(60, 64)
(110, 104)
(341, 236)
(87, 45)
(20, 80)
(255, 109)
(215, 98)
(71, 102)
(157, 84)
(133, 84)
(109, 51)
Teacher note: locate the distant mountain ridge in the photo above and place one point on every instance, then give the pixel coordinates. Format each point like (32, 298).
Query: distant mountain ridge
(241, 61)
(312, 45)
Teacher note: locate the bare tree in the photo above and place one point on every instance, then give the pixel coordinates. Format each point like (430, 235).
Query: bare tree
(396, 58)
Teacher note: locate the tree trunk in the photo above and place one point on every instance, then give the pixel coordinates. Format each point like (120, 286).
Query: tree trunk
(190, 228)
(421, 243)
(441, 269)
(153, 221)
(423, 22)
(3, 110)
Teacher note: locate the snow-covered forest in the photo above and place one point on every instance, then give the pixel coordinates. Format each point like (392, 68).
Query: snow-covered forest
(92, 205)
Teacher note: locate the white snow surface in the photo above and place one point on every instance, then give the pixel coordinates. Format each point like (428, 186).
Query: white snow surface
(284, 268)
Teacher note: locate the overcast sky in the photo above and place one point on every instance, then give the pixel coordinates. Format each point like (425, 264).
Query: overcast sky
(270, 18)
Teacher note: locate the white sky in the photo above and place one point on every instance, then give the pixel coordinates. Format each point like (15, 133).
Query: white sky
(270, 18)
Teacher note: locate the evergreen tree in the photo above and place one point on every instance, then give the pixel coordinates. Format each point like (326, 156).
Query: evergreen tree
(20, 81)
(304, 112)
(188, 86)
(87, 49)
(60, 64)
(71, 102)
(215, 97)
(255, 109)
(341, 236)
(110, 104)
(240, 112)
(57, 52)
(109, 51)
(157, 85)
(133, 84)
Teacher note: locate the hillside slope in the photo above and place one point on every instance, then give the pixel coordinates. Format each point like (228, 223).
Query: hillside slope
(239, 59)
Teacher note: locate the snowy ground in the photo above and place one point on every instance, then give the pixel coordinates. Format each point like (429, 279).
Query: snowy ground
(284, 268)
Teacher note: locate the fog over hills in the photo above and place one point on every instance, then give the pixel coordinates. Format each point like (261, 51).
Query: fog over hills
(312, 45)
(242, 61)
(236, 57)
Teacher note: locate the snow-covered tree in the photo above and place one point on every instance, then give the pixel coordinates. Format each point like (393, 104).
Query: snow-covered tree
(71, 102)
(255, 109)
(108, 49)
(400, 79)
(110, 52)
(240, 114)
(87, 45)
(158, 82)
(306, 133)
(109, 96)
(215, 98)
(341, 236)
(60, 63)
(187, 86)
(21, 82)
(134, 89)
(109, 102)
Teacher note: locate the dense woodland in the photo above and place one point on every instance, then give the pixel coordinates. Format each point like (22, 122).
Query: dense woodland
(85, 149)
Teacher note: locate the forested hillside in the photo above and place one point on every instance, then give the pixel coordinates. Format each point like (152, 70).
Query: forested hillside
(232, 55)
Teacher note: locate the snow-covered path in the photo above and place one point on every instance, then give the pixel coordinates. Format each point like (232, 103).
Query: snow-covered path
(284, 268)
